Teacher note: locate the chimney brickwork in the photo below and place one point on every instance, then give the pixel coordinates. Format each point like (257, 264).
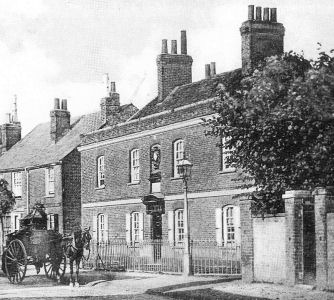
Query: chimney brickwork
(260, 37)
(10, 131)
(60, 120)
(110, 106)
(173, 69)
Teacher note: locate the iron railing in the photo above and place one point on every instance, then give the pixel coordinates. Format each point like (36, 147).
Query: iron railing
(164, 256)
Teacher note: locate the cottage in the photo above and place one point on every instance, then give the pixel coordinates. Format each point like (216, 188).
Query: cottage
(45, 166)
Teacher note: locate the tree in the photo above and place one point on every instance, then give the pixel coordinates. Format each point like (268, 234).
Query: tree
(280, 124)
(7, 202)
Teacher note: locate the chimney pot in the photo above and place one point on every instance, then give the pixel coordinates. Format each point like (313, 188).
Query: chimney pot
(56, 103)
(164, 49)
(273, 15)
(8, 118)
(212, 69)
(183, 42)
(258, 13)
(207, 71)
(250, 12)
(64, 104)
(113, 87)
(266, 14)
(174, 47)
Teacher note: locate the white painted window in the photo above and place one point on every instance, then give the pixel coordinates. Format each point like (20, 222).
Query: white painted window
(100, 172)
(134, 227)
(228, 225)
(225, 166)
(134, 157)
(178, 155)
(17, 184)
(102, 228)
(49, 181)
(53, 223)
(179, 226)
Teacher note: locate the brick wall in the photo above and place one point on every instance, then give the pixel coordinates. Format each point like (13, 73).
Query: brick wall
(201, 212)
(200, 150)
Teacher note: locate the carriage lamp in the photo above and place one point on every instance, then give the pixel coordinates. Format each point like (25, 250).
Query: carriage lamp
(184, 169)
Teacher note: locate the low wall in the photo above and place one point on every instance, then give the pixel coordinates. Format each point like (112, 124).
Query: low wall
(330, 250)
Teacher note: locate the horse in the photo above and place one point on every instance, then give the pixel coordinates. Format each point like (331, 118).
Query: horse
(75, 252)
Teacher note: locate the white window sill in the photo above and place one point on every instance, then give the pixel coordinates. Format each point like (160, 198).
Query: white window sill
(49, 196)
(227, 171)
(100, 187)
(133, 183)
(176, 178)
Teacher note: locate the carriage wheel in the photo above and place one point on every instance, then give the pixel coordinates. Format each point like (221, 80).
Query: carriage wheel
(15, 261)
(52, 265)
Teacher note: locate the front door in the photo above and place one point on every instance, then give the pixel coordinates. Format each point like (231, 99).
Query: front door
(156, 235)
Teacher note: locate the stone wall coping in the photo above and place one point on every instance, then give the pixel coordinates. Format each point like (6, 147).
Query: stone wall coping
(296, 194)
(323, 191)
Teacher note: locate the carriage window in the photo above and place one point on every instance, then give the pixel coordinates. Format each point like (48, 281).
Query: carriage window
(49, 181)
(15, 222)
(17, 184)
(179, 226)
(53, 222)
(100, 172)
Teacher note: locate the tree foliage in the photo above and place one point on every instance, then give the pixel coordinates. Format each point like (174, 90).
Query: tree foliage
(280, 124)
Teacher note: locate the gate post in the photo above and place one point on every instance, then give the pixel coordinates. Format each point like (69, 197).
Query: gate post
(321, 207)
(294, 235)
(247, 241)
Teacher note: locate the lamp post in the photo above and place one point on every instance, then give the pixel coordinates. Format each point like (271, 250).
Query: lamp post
(184, 169)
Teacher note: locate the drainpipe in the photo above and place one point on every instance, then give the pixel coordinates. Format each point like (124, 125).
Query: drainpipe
(27, 190)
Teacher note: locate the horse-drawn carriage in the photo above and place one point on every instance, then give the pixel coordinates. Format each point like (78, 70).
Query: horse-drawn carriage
(34, 245)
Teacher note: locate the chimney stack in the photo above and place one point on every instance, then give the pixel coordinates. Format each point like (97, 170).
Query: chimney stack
(250, 12)
(60, 122)
(207, 71)
(56, 103)
(110, 105)
(173, 69)
(164, 48)
(260, 37)
(258, 13)
(10, 131)
(183, 42)
(212, 69)
(174, 47)
(266, 14)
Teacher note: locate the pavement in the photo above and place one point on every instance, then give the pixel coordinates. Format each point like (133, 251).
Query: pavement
(135, 285)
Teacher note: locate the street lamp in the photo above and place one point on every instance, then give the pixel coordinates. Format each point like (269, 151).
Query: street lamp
(184, 170)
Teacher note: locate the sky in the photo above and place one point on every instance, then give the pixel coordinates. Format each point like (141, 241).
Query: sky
(61, 48)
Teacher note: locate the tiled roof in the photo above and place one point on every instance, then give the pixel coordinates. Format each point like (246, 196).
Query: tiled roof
(37, 148)
(189, 93)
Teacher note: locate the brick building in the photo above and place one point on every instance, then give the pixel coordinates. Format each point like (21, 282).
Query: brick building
(130, 185)
(45, 165)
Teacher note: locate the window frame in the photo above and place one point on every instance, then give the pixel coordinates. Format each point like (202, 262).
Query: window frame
(101, 228)
(49, 184)
(17, 183)
(179, 226)
(178, 155)
(135, 227)
(53, 222)
(230, 226)
(224, 153)
(134, 165)
(100, 171)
